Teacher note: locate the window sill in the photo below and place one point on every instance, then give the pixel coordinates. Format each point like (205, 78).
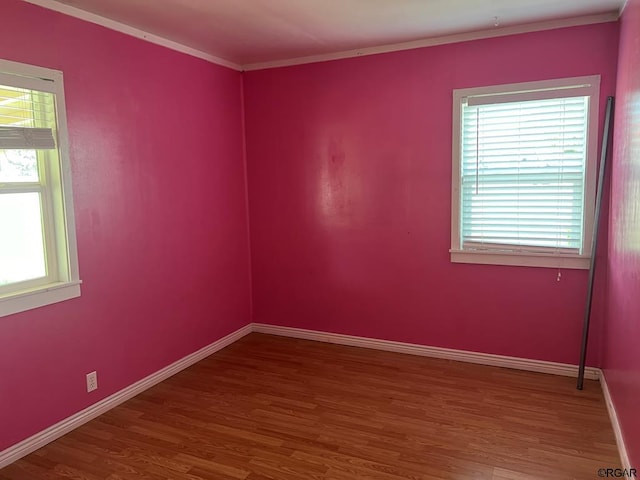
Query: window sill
(547, 260)
(24, 300)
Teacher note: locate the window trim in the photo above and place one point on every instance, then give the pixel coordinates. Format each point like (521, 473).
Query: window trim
(67, 277)
(591, 86)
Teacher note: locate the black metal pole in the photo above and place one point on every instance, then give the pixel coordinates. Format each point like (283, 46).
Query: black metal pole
(594, 242)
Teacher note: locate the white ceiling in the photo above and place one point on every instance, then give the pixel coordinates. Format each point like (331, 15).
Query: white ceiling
(247, 32)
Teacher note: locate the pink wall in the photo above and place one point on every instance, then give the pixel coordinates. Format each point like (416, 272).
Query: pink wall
(162, 231)
(349, 183)
(349, 170)
(622, 334)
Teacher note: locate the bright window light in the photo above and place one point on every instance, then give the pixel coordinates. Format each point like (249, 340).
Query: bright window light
(524, 173)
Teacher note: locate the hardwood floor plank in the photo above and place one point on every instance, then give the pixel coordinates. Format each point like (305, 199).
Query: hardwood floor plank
(274, 408)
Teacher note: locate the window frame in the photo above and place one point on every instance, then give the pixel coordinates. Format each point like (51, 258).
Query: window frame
(521, 258)
(62, 281)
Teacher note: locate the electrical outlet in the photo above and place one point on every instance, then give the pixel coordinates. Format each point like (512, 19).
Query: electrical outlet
(92, 381)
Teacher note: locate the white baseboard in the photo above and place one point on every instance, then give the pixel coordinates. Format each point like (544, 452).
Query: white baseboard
(426, 351)
(54, 432)
(613, 417)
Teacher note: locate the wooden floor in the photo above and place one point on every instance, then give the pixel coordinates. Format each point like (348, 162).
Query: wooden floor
(276, 408)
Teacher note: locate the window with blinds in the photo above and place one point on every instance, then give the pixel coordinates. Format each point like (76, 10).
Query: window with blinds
(523, 161)
(27, 119)
(38, 259)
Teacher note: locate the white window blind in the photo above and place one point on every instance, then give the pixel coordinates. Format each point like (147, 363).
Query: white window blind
(27, 119)
(523, 170)
(38, 255)
(19, 138)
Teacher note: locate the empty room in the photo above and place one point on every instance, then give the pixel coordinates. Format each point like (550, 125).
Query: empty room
(339, 239)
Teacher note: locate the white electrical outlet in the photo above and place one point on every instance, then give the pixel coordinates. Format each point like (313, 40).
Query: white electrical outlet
(92, 381)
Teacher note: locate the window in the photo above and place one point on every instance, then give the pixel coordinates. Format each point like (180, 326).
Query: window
(524, 167)
(38, 259)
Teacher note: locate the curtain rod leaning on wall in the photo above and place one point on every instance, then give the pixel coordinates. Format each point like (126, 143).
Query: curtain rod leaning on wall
(608, 124)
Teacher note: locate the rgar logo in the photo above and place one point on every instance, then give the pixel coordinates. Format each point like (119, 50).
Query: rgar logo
(618, 473)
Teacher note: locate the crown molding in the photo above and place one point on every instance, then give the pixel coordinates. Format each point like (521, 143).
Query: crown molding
(132, 31)
(441, 40)
(426, 42)
(624, 5)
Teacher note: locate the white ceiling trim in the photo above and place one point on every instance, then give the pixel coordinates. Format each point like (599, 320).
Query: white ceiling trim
(624, 5)
(430, 42)
(132, 31)
(427, 42)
